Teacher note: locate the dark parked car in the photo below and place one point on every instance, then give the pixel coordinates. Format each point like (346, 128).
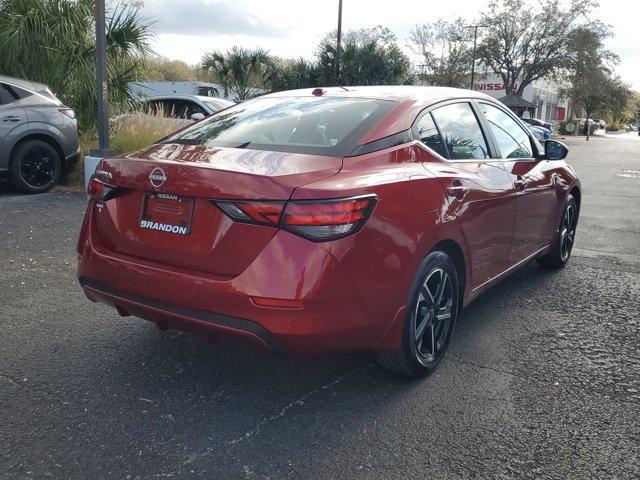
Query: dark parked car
(38, 135)
(325, 220)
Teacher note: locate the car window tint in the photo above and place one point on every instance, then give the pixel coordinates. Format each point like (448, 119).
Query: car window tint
(155, 107)
(315, 125)
(174, 109)
(5, 96)
(429, 135)
(512, 140)
(461, 131)
(193, 107)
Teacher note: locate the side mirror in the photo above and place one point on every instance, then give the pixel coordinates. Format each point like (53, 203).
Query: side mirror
(197, 116)
(554, 150)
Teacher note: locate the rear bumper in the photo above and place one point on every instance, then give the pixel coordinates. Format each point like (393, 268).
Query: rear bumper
(169, 316)
(336, 314)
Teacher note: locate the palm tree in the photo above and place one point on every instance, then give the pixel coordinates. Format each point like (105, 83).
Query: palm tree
(53, 42)
(240, 71)
(368, 62)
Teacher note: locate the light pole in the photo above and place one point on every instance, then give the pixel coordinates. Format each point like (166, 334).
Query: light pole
(473, 54)
(103, 149)
(339, 40)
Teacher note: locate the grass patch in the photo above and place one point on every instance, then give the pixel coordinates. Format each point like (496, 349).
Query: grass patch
(128, 134)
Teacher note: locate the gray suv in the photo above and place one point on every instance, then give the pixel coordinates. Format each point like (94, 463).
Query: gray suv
(38, 136)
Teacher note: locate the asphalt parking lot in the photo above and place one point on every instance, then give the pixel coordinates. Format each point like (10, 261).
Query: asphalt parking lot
(542, 379)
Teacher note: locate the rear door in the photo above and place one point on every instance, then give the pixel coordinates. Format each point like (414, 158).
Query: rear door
(478, 188)
(533, 180)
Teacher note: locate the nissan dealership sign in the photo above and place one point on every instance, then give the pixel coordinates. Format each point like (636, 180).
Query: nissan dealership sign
(493, 86)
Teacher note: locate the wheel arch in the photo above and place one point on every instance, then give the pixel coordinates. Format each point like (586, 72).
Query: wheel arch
(44, 138)
(577, 194)
(454, 250)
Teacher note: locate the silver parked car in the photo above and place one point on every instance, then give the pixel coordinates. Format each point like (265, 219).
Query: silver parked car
(38, 135)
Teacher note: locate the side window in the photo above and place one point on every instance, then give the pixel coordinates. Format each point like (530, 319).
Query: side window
(170, 109)
(512, 140)
(193, 107)
(5, 96)
(461, 131)
(429, 135)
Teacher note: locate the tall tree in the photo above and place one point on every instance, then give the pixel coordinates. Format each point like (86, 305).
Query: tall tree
(620, 103)
(240, 71)
(523, 42)
(586, 52)
(53, 42)
(293, 74)
(446, 54)
(588, 81)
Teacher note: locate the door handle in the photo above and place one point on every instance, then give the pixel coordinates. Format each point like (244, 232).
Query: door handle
(457, 191)
(10, 118)
(520, 184)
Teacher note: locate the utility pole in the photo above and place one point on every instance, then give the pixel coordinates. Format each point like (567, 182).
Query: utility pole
(101, 82)
(473, 55)
(339, 40)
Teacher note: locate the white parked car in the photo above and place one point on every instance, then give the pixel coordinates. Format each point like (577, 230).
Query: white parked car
(184, 107)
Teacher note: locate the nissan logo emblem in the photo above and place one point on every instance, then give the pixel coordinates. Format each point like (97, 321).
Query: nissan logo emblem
(157, 177)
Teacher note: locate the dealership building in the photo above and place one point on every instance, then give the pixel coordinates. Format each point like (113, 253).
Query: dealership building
(543, 94)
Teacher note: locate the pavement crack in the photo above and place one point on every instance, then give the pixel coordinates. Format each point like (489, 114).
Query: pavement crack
(485, 367)
(280, 414)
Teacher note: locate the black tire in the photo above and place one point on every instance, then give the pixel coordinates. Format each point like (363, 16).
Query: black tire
(35, 167)
(564, 237)
(434, 316)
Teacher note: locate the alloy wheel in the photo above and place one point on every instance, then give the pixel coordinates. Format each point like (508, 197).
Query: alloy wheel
(37, 168)
(432, 316)
(568, 231)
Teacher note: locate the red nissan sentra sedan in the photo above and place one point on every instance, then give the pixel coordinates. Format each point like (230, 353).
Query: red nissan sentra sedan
(326, 220)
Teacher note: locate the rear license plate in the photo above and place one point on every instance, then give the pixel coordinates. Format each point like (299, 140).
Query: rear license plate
(167, 213)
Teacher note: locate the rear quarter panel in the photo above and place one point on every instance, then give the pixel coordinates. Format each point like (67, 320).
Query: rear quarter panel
(380, 261)
(50, 122)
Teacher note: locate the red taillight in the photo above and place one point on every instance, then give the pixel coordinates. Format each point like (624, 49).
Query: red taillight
(98, 190)
(325, 220)
(263, 213)
(316, 220)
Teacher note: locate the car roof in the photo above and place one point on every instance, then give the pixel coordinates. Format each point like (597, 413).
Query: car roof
(184, 96)
(26, 84)
(395, 93)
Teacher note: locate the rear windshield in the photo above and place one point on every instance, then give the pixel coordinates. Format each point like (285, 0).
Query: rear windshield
(314, 125)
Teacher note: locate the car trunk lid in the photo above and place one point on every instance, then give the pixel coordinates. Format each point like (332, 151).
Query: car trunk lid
(164, 213)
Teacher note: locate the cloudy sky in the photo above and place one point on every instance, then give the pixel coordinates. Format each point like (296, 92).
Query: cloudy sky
(185, 29)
